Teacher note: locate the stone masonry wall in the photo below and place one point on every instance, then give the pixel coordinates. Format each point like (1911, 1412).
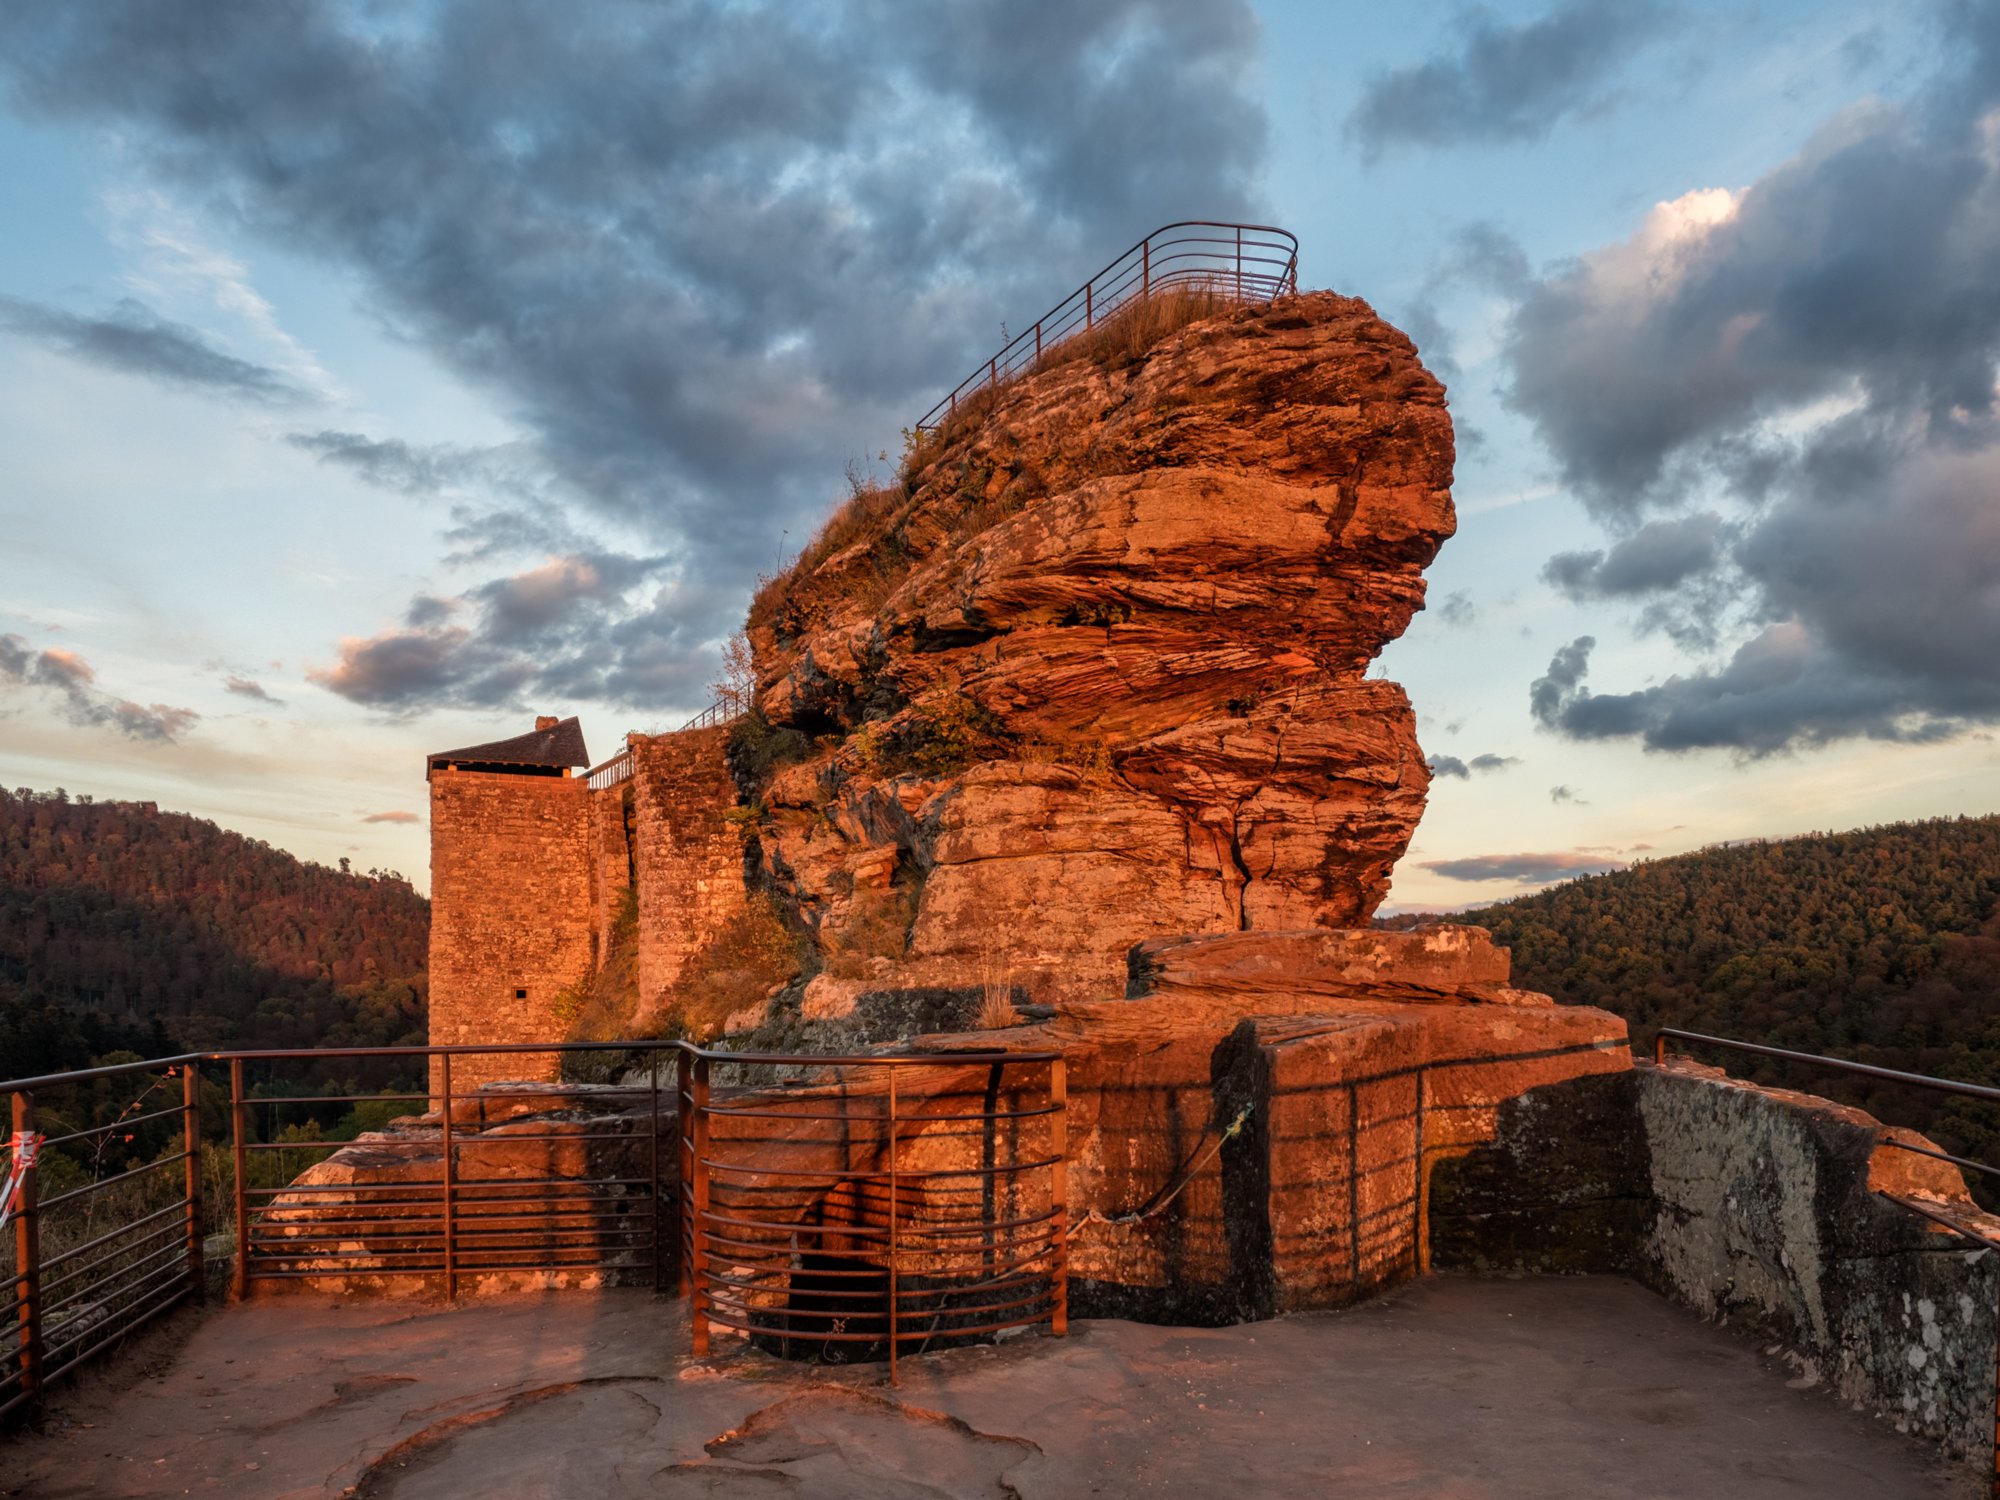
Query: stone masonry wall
(611, 860)
(511, 920)
(688, 855)
(1752, 1205)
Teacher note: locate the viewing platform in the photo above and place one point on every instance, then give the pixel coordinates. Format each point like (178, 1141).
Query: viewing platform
(1448, 1387)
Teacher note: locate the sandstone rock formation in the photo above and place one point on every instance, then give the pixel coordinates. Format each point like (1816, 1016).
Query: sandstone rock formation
(1096, 671)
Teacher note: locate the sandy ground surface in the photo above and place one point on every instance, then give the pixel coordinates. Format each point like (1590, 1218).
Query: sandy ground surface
(1450, 1390)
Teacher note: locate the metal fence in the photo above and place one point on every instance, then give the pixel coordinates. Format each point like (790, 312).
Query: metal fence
(878, 1206)
(892, 1203)
(115, 1238)
(483, 1184)
(1233, 262)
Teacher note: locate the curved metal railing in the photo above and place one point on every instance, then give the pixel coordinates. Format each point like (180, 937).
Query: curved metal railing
(1236, 262)
(882, 1205)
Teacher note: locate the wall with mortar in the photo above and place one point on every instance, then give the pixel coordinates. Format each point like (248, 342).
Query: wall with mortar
(511, 914)
(611, 859)
(1753, 1205)
(687, 854)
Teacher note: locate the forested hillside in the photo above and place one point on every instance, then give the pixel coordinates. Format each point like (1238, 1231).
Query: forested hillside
(126, 928)
(1881, 945)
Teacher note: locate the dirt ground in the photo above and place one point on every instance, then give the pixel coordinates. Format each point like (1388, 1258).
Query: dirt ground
(1449, 1389)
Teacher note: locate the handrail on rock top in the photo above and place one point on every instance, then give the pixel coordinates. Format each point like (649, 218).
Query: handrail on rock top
(1239, 262)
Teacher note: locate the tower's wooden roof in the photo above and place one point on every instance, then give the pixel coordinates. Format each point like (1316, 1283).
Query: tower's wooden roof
(555, 748)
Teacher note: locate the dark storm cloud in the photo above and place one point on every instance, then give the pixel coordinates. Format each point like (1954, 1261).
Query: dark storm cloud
(1501, 82)
(1534, 869)
(588, 627)
(1820, 351)
(72, 680)
(134, 340)
(1780, 690)
(1657, 556)
(706, 252)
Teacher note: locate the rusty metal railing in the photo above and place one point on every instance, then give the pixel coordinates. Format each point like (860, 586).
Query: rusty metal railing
(113, 1238)
(878, 1206)
(1233, 262)
(1951, 1086)
(476, 1185)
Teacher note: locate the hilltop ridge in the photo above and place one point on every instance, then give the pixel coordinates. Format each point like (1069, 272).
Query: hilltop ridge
(125, 927)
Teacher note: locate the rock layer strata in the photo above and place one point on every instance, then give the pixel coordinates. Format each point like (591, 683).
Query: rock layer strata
(1097, 670)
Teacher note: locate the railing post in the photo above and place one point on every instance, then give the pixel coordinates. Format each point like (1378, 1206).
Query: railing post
(1089, 306)
(1038, 341)
(894, 1289)
(1239, 262)
(659, 1239)
(191, 1136)
(450, 1222)
(28, 1254)
(698, 1210)
(1059, 1191)
(1146, 267)
(684, 1187)
(1659, 1049)
(238, 1133)
(993, 372)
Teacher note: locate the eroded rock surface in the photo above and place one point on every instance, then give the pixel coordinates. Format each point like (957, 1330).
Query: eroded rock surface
(1097, 673)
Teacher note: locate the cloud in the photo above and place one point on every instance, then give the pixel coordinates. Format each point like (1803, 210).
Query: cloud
(584, 627)
(393, 817)
(1451, 765)
(1534, 869)
(244, 687)
(1456, 609)
(72, 679)
(1659, 555)
(1564, 795)
(134, 340)
(1780, 690)
(1814, 354)
(1505, 82)
(702, 253)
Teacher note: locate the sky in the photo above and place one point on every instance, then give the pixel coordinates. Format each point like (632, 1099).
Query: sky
(375, 376)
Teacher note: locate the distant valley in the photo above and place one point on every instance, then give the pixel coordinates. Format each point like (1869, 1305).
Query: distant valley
(126, 928)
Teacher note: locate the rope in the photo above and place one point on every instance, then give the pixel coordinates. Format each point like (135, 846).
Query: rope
(1167, 1194)
(20, 1162)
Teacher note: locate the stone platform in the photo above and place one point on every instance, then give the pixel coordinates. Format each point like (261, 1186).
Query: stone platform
(1449, 1387)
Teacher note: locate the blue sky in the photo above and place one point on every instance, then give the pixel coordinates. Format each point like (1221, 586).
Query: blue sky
(372, 377)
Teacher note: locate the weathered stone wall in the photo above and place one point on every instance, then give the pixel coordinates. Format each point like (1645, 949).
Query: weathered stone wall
(511, 914)
(611, 860)
(1751, 1204)
(687, 853)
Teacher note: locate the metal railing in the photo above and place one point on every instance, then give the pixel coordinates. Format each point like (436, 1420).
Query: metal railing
(120, 1243)
(1233, 262)
(107, 1230)
(728, 706)
(946, 1210)
(476, 1185)
(612, 772)
(880, 1206)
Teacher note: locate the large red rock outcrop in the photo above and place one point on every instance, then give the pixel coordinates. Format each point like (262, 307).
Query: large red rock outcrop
(1096, 671)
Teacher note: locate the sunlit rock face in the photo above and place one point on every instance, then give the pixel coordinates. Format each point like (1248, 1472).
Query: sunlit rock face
(1097, 671)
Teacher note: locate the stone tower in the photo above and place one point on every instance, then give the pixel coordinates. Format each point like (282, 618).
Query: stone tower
(511, 910)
